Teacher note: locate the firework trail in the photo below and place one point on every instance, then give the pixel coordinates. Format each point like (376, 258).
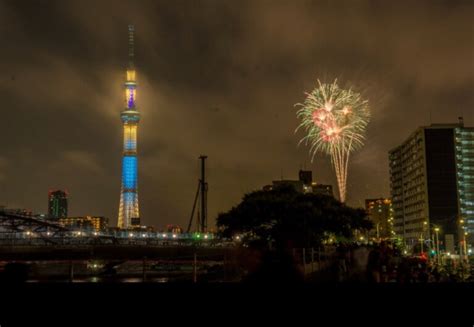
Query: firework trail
(335, 120)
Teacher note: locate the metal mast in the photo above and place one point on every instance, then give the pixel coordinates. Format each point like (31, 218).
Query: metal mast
(201, 220)
(203, 194)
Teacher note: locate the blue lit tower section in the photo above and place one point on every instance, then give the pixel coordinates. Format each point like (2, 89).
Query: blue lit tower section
(129, 215)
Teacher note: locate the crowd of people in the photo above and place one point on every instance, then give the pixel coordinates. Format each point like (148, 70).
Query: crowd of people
(384, 263)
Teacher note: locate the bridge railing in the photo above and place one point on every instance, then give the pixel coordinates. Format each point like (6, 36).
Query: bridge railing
(31, 238)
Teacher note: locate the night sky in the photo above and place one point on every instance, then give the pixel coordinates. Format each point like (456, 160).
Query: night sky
(219, 78)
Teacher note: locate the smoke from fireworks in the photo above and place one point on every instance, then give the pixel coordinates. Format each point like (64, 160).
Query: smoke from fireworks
(335, 122)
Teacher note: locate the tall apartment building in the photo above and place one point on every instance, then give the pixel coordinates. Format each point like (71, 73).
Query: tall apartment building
(432, 185)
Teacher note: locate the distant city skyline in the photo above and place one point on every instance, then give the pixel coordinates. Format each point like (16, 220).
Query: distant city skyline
(217, 79)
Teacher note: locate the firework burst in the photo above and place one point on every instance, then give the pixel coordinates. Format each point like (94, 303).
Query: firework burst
(335, 120)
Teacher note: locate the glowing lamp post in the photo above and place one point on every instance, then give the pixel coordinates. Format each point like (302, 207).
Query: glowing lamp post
(437, 244)
(422, 236)
(465, 247)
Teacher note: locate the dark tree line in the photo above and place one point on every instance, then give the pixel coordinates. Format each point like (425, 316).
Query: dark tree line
(286, 218)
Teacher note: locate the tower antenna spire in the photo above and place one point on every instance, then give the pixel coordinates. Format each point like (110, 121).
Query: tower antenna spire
(131, 48)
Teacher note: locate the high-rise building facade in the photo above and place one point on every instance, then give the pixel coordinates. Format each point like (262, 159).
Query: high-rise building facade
(432, 185)
(129, 215)
(57, 204)
(380, 212)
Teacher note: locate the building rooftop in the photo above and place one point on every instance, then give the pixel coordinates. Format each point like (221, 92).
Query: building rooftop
(460, 124)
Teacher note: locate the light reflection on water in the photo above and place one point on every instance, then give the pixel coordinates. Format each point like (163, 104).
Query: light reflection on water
(160, 280)
(131, 280)
(102, 280)
(148, 280)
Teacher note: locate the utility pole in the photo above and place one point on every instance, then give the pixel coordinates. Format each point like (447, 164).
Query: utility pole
(437, 245)
(466, 258)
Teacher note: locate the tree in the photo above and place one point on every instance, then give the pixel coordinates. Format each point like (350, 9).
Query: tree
(288, 218)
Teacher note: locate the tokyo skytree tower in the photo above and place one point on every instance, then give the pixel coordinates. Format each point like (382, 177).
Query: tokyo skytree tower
(129, 215)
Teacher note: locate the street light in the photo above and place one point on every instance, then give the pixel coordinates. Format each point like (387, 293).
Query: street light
(461, 245)
(465, 246)
(437, 244)
(422, 236)
(434, 241)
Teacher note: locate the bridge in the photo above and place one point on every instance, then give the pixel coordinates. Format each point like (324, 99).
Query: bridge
(53, 249)
(17, 228)
(50, 247)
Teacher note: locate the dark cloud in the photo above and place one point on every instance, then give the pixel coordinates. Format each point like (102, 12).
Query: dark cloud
(220, 78)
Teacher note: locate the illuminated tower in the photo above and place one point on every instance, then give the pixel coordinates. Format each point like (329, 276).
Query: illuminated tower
(129, 215)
